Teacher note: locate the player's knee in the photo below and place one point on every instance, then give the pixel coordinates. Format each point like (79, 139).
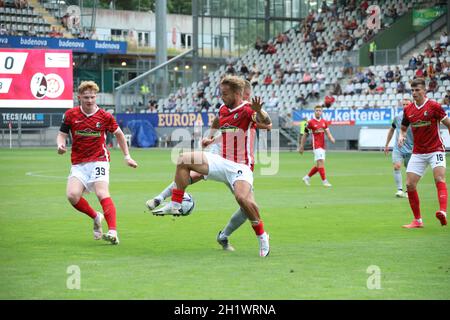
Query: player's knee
(73, 197)
(410, 185)
(439, 179)
(397, 166)
(102, 194)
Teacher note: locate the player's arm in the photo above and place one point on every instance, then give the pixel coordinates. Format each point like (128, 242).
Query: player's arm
(62, 137)
(329, 135)
(212, 135)
(403, 128)
(446, 122)
(122, 141)
(302, 141)
(388, 139)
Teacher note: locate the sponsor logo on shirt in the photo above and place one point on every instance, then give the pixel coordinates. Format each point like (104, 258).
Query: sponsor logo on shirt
(88, 133)
(421, 124)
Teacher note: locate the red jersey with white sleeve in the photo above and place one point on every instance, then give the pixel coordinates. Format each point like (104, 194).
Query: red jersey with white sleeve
(424, 121)
(238, 127)
(317, 128)
(89, 134)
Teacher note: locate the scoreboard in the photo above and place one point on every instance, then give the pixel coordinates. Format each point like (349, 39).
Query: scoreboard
(36, 79)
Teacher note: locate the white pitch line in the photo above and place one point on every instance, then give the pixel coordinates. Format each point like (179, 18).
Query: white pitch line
(39, 174)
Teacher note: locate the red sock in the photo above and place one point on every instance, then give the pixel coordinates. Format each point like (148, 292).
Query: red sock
(313, 171)
(442, 195)
(109, 210)
(177, 195)
(414, 203)
(322, 173)
(84, 207)
(259, 228)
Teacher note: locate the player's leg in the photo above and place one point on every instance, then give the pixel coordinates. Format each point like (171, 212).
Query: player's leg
(398, 179)
(320, 158)
(244, 196)
(438, 164)
(75, 189)
(109, 210)
(167, 192)
(411, 184)
(237, 219)
(187, 162)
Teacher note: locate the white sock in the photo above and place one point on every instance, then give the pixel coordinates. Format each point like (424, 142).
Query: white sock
(167, 192)
(236, 220)
(398, 179)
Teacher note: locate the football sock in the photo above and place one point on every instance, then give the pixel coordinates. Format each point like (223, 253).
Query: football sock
(313, 171)
(83, 206)
(177, 197)
(236, 220)
(167, 192)
(414, 203)
(258, 226)
(398, 179)
(442, 195)
(109, 210)
(322, 173)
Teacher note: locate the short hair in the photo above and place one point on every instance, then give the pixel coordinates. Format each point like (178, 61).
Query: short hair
(88, 85)
(319, 106)
(236, 84)
(247, 85)
(418, 82)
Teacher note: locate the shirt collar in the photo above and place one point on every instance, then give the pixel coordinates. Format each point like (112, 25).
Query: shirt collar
(419, 107)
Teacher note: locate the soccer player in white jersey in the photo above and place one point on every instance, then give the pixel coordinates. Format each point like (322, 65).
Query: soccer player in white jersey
(239, 217)
(399, 155)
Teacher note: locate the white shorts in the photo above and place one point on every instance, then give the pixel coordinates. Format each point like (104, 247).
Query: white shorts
(215, 148)
(227, 171)
(319, 154)
(418, 162)
(90, 172)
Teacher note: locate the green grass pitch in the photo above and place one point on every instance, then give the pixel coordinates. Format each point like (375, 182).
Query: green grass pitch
(322, 240)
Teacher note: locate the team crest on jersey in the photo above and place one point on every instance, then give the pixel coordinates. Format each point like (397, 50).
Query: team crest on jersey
(236, 116)
(425, 113)
(97, 125)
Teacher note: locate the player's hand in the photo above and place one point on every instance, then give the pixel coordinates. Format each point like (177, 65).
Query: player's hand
(333, 140)
(131, 163)
(301, 149)
(386, 150)
(401, 141)
(264, 126)
(257, 104)
(206, 142)
(62, 149)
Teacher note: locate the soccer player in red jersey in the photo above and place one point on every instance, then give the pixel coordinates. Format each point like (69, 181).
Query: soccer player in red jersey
(234, 166)
(318, 127)
(424, 115)
(88, 125)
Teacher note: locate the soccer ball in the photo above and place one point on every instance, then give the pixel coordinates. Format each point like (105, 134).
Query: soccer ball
(187, 205)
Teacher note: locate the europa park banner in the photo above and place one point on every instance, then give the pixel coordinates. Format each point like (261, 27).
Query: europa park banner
(36, 79)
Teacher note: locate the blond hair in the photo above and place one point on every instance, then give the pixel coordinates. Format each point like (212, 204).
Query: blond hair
(88, 85)
(236, 84)
(247, 85)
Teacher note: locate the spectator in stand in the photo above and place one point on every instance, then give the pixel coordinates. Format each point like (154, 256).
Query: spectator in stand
(349, 88)
(446, 99)
(438, 50)
(279, 77)
(3, 30)
(324, 8)
(270, 49)
(307, 78)
(315, 90)
(443, 40)
(323, 46)
(244, 70)
(273, 101)
(93, 34)
(314, 64)
(419, 73)
(397, 74)
(401, 9)
(432, 86)
(445, 74)
(297, 66)
(359, 76)
(351, 25)
(401, 87)
(363, 8)
(429, 52)
(420, 64)
(259, 44)
(289, 67)
(54, 33)
(320, 76)
(389, 75)
(359, 32)
(430, 72)
(301, 100)
(254, 69)
(320, 27)
(379, 89)
(230, 70)
(31, 31)
(2, 3)
(412, 63)
(371, 86)
(328, 102)
(267, 80)
(392, 12)
(438, 67)
(276, 65)
(205, 105)
(254, 79)
(348, 68)
(337, 90)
